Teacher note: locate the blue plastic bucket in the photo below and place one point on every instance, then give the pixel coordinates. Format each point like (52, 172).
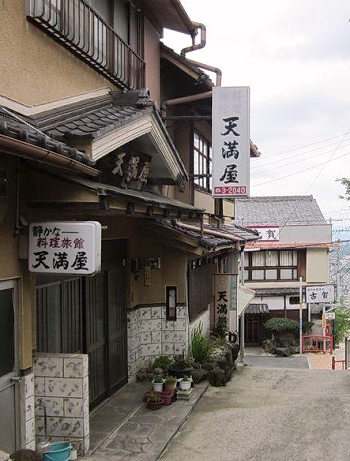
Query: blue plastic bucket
(59, 451)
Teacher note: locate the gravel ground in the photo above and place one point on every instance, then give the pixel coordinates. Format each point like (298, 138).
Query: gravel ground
(269, 414)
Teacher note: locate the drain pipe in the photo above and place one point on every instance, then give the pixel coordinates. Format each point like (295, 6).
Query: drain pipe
(208, 231)
(203, 41)
(216, 70)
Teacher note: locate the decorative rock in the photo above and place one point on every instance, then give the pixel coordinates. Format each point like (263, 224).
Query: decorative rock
(283, 351)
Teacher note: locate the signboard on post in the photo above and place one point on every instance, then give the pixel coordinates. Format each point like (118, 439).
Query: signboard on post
(225, 300)
(65, 247)
(231, 141)
(320, 294)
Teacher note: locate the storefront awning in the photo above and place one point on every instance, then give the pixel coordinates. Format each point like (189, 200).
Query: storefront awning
(257, 309)
(244, 296)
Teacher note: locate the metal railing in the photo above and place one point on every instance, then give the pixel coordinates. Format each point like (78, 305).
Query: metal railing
(317, 343)
(339, 364)
(79, 28)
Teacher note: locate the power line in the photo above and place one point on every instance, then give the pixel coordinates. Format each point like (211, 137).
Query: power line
(298, 172)
(265, 162)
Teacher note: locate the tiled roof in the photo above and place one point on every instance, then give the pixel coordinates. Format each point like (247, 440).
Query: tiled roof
(211, 241)
(17, 127)
(278, 211)
(98, 117)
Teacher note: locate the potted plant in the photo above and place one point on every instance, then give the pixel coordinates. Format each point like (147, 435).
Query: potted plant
(185, 383)
(158, 383)
(154, 401)
(162, 362)
(181, 366)
(170, 384)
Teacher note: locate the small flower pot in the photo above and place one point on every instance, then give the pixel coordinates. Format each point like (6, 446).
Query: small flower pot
(158, 387)
(155, 405)
(170, 387)
(185, 385)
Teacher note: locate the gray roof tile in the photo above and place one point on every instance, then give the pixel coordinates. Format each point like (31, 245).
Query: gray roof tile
(278, 211)
(17, 127)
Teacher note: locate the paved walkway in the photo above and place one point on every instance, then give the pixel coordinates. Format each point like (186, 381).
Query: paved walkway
(123, 428)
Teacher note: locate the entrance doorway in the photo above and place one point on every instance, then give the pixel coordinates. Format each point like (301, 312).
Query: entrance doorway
(8, 367)
(88, 315)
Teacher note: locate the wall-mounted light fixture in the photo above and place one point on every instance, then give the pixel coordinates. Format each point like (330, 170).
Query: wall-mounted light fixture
(171, 302)
(140, 263)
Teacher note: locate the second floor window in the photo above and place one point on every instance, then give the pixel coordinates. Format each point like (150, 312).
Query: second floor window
(271, 265)
(202, 162)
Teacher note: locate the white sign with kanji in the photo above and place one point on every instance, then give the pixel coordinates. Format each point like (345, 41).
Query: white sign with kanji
(65, 247)
(267, 233)
(231, 141)
(320, 294)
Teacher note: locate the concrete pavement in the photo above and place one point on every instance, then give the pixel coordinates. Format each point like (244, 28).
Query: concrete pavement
(123, 428)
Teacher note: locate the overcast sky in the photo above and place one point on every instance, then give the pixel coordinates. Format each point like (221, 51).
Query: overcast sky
(295, 57)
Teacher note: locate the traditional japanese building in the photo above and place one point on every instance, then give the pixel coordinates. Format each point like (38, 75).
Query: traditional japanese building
(110, 237)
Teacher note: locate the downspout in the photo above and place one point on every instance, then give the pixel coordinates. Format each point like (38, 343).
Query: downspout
(203, 41)
(199, 46)
(217, 71)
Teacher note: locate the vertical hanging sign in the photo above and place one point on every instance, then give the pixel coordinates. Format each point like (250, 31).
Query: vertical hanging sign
(231, 141)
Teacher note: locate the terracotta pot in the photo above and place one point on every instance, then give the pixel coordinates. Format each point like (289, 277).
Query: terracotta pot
(169, 387)
(155, 405)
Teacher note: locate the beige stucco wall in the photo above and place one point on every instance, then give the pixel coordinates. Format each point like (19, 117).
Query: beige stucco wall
(317, 265)
(204, 201)
(34, 69)
(152, 58)
(228, 209)
(172, 272)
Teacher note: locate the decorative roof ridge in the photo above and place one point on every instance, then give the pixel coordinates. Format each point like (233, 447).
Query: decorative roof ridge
(14, 126)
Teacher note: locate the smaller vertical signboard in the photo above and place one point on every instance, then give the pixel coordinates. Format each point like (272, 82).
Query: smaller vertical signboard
(225, 300)
(64, 247)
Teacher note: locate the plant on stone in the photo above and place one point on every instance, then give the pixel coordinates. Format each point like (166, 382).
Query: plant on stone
(200, 345)
(154, 397)
(162, 362)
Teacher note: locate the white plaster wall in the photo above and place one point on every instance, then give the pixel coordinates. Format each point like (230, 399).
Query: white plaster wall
(27, 409)
(313, 233)
(317, 265)
(61, 386)
(150, 335)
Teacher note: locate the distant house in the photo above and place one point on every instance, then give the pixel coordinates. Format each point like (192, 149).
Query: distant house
(294, 244)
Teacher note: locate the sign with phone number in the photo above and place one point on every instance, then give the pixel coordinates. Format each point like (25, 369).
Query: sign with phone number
(230, 190)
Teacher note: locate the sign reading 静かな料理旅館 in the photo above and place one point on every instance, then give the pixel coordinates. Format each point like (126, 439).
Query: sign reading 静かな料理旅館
(65, 247)
(231, 142)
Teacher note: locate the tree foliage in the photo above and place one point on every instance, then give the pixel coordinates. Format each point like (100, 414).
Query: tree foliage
(345, 182)
(342, 321)
(279, 324)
